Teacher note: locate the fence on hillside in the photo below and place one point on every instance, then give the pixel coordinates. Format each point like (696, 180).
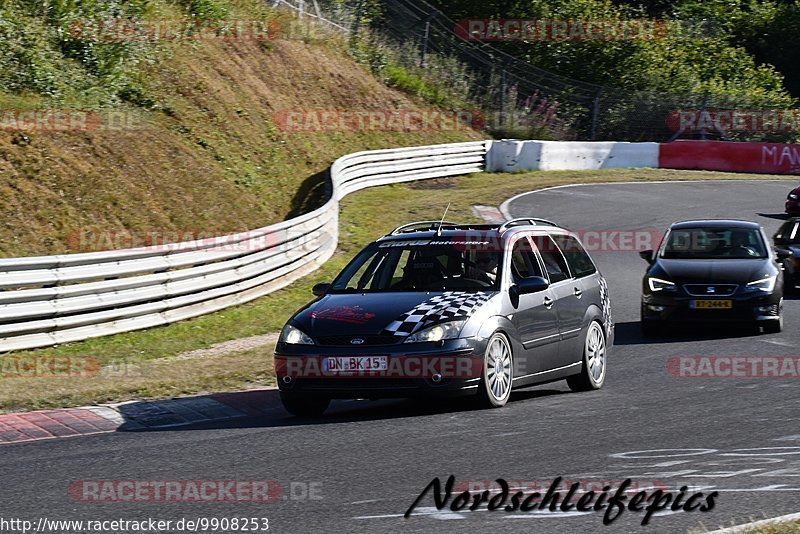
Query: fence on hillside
(506, 87)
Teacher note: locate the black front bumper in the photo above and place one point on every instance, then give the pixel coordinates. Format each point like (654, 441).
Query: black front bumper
(744, 309)
(460, 375)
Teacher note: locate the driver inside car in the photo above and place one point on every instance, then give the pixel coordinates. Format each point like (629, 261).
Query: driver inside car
(485, 268)
(740, 245)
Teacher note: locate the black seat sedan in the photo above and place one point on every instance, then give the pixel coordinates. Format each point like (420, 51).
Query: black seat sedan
(444, 309)
(713, 271)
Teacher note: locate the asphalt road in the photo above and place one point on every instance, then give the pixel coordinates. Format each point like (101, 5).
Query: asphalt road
(366, 462)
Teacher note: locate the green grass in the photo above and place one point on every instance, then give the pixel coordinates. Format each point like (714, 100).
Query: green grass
(789, 527)
(364, 217)
(779, 528)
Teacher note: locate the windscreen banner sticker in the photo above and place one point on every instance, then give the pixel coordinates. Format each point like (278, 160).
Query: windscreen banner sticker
(448, 305)
(479, 245)
(415, 243)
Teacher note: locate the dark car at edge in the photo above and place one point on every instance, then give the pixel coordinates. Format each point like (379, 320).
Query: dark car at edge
(793, 202)
(788, 237)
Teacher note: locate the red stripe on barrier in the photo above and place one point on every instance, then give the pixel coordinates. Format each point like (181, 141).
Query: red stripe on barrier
(764, 158)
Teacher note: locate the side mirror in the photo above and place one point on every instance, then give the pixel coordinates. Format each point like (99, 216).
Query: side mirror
(320, 289)
(646, 255)
(783, 254)
(532, 284)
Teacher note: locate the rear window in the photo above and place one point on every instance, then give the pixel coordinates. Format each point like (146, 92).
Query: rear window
(577, 258)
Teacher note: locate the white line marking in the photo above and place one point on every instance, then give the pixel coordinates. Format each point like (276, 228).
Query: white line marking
(778, 342)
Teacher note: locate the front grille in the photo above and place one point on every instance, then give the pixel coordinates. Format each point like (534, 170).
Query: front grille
(710, 290)
(345, 341)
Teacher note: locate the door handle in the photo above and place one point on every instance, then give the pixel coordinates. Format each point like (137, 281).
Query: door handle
(548, 302)
(578, 292)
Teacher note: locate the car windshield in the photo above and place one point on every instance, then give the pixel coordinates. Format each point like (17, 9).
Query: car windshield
(420, 265)
(714, 243)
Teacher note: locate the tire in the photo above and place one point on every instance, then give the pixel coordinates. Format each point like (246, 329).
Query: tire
(304, 405)
(497, 377)
(593, 370)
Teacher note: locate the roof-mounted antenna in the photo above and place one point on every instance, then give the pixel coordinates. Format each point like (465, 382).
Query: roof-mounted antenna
(439, 229)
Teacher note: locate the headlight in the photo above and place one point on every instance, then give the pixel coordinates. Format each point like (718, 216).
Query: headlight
(765, 284)
(657, 284)
(448, 330)
(295, 336)
(793, 196)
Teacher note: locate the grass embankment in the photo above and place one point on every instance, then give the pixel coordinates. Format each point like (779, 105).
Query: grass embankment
(144, 364)
(785, 527)
(200, 149)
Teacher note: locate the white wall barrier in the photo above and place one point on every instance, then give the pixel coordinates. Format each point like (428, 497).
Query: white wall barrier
(48, 300)
(511, 155)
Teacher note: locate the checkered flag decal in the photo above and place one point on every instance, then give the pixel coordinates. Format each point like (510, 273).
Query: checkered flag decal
(448, 305)
(608, 322)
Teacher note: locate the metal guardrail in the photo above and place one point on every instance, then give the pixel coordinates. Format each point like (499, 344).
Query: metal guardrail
(48, 300)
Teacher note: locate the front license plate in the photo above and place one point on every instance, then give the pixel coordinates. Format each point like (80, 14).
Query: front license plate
(336, 364)
(715, 304)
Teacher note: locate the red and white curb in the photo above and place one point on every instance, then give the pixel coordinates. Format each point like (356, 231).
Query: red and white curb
(136, 415)
(741, 529)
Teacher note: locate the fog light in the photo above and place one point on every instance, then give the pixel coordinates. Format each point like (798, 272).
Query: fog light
(651, 307)
(287, 379)
(764, 309)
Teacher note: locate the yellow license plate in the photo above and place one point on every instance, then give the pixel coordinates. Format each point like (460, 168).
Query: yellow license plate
(716, 304)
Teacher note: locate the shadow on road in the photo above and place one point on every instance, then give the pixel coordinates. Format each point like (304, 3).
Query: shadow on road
(262, 409)
(630, 333)
(779, 216)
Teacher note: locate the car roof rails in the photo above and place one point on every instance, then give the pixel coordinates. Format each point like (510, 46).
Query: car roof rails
(422, 225)
(520, 221)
